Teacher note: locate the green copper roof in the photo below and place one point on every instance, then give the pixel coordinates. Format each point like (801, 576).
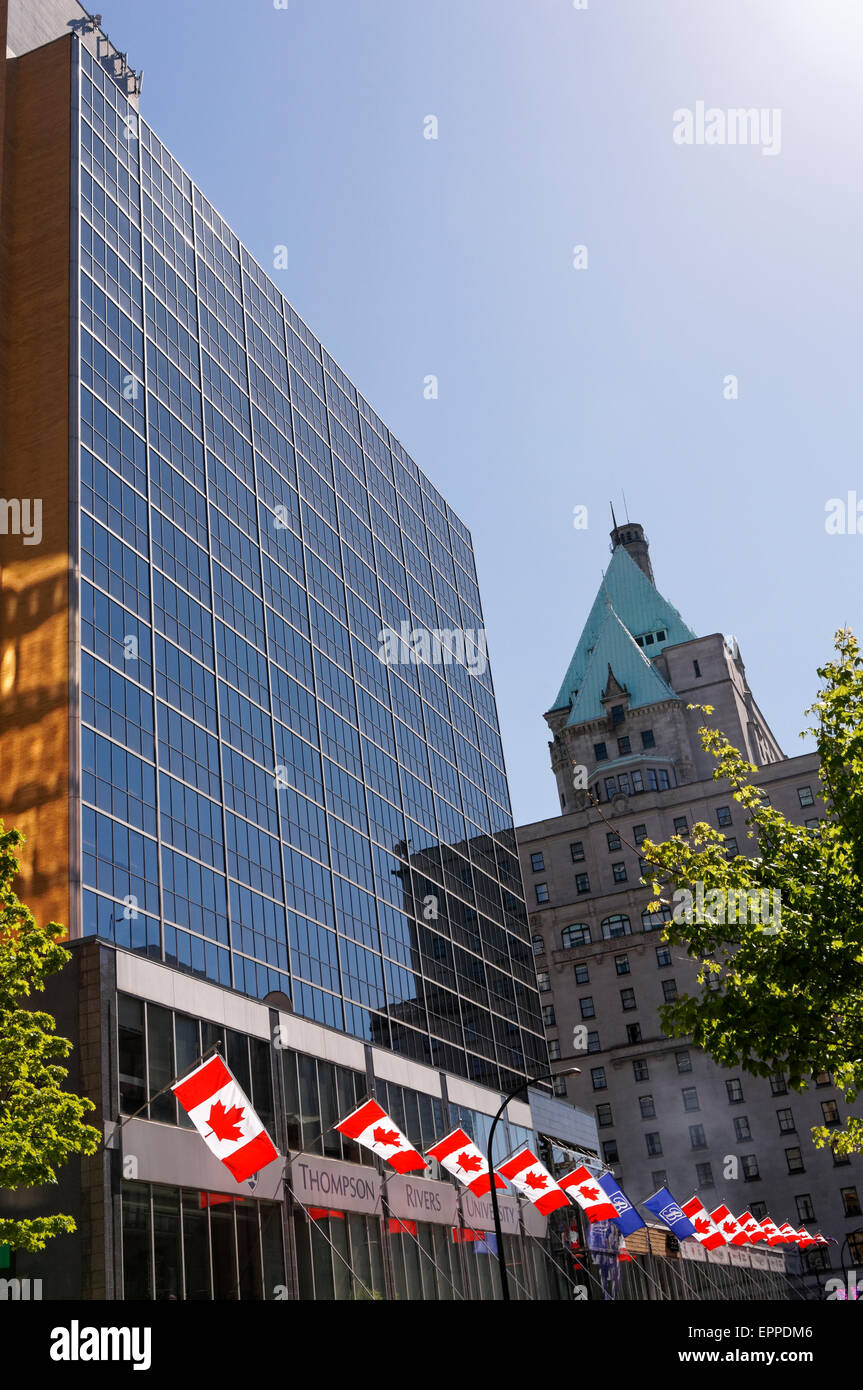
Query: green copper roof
(617, 651)
(639, 609)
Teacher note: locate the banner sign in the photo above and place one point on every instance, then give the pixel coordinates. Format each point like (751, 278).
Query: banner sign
(319, 1182)
(478, 1214)
(421, 1199)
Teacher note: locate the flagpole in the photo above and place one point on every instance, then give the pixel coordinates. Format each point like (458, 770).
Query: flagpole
(118, 1124)
(634, 1255)
(693, 1297)
(706, 1262)
(407, 1232)
(423, 1251)
(499, 1259)
(788, 1282)
(649, 1277)
(561, 1270)
(523, 1085)
(312, 1221)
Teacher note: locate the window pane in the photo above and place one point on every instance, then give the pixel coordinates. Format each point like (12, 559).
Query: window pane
(136, 1242)
(160, 1057)
(322, 1260)
(187, 1049)
(130, 1037)
(224, 1251)
(212, 1033)
(292, 1099)
(329, 1108)
(262, 1082)
(249, 1251)
(302, 1236)
(347, 1090)
(310, 1114)
(166, 1243)
(373, 1236)
(238, 1059)
(196, 1245)
(360, 1257)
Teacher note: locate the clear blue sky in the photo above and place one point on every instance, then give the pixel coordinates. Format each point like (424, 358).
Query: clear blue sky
(558, 387)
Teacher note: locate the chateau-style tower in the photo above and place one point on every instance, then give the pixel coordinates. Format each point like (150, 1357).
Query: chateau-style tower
(621, 711)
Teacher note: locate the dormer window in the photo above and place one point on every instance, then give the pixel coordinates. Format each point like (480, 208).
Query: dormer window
(618, 714)
(649, 639)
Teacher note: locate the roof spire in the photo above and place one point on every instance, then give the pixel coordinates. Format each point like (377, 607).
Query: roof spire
(631, 536)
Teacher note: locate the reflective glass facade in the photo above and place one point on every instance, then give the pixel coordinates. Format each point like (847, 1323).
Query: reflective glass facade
(265, 802)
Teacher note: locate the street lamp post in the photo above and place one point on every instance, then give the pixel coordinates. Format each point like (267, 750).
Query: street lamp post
(533, 1081)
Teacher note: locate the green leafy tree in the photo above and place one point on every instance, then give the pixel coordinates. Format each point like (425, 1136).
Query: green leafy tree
(41, 1124)
(782, 989)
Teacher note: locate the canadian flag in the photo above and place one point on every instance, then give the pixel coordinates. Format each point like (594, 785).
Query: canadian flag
(583, 1186)
(788, 1233)
(623, 1254)
(220, 1111)
(461, 1157)
(821, 1240)
(771, 1231)
(706, 1233)
(372, 1127)
(729, 1227)
(531, 1177)
(805, 1238)
(747, 1223)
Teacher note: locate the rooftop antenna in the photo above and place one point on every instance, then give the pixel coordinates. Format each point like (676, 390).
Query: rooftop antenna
(625, 508)
(613, 517)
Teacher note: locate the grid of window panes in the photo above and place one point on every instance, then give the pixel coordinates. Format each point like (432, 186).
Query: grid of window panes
(265, 802)
(181, 1244)
(155, 1044)
(191, 1245)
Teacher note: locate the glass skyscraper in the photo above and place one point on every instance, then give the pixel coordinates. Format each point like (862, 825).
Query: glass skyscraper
(265, 800)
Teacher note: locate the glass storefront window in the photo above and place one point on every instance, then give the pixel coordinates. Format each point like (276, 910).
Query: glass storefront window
(173, 1239)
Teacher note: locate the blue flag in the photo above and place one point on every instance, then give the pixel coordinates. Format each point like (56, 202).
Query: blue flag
(627, 1217)
(663, 1205)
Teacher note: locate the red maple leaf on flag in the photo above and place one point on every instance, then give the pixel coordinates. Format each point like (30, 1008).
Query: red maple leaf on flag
(702, 1225)
(389, 1137)
(469, 1162)
(535, 1180)
(729, 1227)
(225, 1124)
(591, 1193)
